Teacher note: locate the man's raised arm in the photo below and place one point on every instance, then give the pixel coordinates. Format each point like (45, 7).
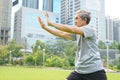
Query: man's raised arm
(65, 28)
(55, 32)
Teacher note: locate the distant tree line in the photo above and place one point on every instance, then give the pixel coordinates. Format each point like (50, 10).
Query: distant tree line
(58, 54)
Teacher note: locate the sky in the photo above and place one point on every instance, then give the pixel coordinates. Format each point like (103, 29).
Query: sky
(112, 8)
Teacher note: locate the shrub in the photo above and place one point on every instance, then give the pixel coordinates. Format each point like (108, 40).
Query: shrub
(30, 60)
(118, 67)
(56, 61)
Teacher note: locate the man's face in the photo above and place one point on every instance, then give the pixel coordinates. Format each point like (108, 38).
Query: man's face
(79, 22)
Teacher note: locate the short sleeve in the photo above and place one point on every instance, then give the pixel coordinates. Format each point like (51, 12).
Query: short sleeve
(88, 31)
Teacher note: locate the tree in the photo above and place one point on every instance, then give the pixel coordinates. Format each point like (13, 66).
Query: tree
(113, 45)
(3, 54)
(119, 47)
(102, 45)
(38, 46)
(29, 60)
(14, 49)
(56, 48)
(56, 61)
(70, 50)
(38, 52)
(11, 45)
(39, 58)
(64, 49)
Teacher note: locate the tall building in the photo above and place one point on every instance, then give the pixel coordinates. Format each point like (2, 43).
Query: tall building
(96, 7)
(109, 28)
(51, 5)
(31, 3)
(67, 12)
(112, 29)
(48, 5)
(22, 3)
(26, 3)
(116, 30)
(27, 28)
(5, 19)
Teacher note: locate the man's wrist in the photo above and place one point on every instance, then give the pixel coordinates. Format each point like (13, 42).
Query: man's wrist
(45, 28)
(49, 23)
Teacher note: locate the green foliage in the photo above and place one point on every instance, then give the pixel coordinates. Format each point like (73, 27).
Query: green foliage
(18, 62)
(39, 58)
(3, 54)
(35, 59)
(61, 48)
(118, 67)
(1, 61)
(113, 45)
(15, 52)
(38, 50)
(38, 46)
(11, 45)
(30, 61)
(64, 49)
(102, 45)
(15, 49)
(3, 51)
(56, 61)
(119, 46)
(115, 65)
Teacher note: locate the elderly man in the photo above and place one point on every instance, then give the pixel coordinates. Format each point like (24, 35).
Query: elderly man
(88, 64)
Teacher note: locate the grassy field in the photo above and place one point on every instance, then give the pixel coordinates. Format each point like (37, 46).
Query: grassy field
(24, 73)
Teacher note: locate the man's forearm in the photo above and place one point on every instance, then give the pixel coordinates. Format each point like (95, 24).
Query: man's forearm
(63, 27)
(58, 33)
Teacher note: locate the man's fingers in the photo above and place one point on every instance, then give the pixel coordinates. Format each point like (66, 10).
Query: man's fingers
(41, 22)
(47, 14)
(39, 19)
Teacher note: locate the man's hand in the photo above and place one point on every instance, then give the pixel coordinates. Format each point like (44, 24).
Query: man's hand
(41, 23)
(48, 20)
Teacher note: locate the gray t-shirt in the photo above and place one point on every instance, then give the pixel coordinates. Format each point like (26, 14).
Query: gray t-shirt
(87, 56)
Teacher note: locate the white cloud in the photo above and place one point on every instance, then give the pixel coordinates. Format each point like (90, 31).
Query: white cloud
(95, 5)
(112, 8)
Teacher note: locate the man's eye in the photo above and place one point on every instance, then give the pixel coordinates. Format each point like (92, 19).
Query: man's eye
(76, 18)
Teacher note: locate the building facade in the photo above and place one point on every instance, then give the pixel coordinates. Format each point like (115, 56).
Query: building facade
(67, 12)
(96, 7)
(27, 28)
(31, 3)
(112, 29)
(22, 3)
(109, 28)
(48, 5)
(5, 19)
(116, 30)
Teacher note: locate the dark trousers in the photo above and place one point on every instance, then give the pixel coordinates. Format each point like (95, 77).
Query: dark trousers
(99, 75)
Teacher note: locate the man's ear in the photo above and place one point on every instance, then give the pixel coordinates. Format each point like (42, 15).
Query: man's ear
(85, 19)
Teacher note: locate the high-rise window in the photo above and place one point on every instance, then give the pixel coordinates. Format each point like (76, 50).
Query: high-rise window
(31, 3)
(48, 5)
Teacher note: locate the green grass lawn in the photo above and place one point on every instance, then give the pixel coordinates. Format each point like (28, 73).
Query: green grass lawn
(24, 73)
